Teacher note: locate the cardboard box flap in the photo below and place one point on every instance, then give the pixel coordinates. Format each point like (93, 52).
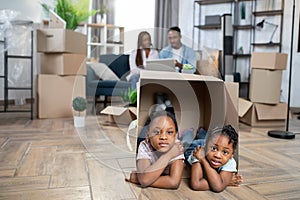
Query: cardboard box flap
(133, 110)
(160, 75)
(271, 112)
(113, 110)
(244, 106)
(118, 111)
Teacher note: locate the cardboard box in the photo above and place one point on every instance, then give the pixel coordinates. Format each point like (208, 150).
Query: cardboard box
(197, 100)
(61, 41)
(262, 115)
(55, 94)
(120, 115)
(63, 64)
(269, 60)
(265, 86)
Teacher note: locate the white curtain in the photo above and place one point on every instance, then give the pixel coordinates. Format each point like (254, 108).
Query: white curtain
(166, 16)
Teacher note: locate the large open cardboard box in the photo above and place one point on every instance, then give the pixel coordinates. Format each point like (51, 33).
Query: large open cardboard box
(58, 40)
(55, 94)
(198, 101)
(63, 64)
(269, 60)
(262, 115)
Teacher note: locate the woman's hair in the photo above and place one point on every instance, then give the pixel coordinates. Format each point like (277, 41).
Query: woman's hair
(226, 130)
(160, 113)
(139, 56)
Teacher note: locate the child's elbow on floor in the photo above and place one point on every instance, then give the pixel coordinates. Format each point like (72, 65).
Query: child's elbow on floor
(144, 183)
(218, 189)
(174, 184)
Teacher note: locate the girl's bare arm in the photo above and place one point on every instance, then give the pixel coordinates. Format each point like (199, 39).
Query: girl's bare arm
(217, 181)
(148, 174)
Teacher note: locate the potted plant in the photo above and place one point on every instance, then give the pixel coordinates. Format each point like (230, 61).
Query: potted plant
(130, 97)
(79, 104)
(73, 12)
(101, 15)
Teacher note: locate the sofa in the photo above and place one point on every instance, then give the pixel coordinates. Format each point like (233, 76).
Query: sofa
(96, 87)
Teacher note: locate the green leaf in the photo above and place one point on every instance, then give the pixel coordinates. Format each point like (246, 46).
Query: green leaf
(72, 11)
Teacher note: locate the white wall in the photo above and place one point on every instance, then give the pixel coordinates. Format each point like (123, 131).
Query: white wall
(186, 15)
(135, 16)
(295, 86)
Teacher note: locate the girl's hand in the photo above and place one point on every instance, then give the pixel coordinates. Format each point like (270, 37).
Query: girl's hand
(236, 180)
(133, 178)
(199, 153)
(176, 150)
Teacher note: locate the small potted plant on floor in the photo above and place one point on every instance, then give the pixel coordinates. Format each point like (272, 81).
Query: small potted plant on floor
(79, 104)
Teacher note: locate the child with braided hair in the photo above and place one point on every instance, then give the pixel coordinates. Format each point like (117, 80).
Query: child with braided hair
(213, 166)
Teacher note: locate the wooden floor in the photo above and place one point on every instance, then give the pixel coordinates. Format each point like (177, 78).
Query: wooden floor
(49, 159)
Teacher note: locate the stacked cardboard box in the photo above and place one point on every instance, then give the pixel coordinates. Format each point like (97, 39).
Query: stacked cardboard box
(63, 70)
(264, 107)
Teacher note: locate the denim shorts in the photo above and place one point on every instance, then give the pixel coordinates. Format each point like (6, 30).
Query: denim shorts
(188, 154)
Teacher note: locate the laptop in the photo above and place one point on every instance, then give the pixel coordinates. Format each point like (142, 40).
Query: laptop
(160, 65)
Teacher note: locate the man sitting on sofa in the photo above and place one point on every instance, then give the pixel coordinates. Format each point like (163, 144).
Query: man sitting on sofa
(181, 53)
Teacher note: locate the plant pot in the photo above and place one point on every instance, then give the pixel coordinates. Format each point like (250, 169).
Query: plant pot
(79, 121)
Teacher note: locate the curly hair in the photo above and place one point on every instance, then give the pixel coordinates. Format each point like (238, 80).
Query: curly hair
(226, 130)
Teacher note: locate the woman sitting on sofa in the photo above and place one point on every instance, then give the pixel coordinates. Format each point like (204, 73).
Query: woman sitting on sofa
(138, 57)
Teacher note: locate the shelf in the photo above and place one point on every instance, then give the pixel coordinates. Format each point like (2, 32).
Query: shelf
(243, 27)
(19, 88)
(268, 13)
(109, 26)
(21, 57)
(211, 2)
(20, 23)
(208, 27)
(266, 44)
(237, 55)
(103, 34)
(1, 111)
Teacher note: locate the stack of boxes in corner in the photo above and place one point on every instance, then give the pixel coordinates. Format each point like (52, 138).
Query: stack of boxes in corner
(264, 107)
(63, 70)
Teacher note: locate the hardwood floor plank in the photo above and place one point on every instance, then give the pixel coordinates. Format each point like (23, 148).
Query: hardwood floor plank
(279, 188)
(69, 171)
(3, 140)
(58, 141)
(12, 153)
(23, 183)
(80, 193)
(244, 192)
(7, 172)
(106, 180)
(38, 162)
